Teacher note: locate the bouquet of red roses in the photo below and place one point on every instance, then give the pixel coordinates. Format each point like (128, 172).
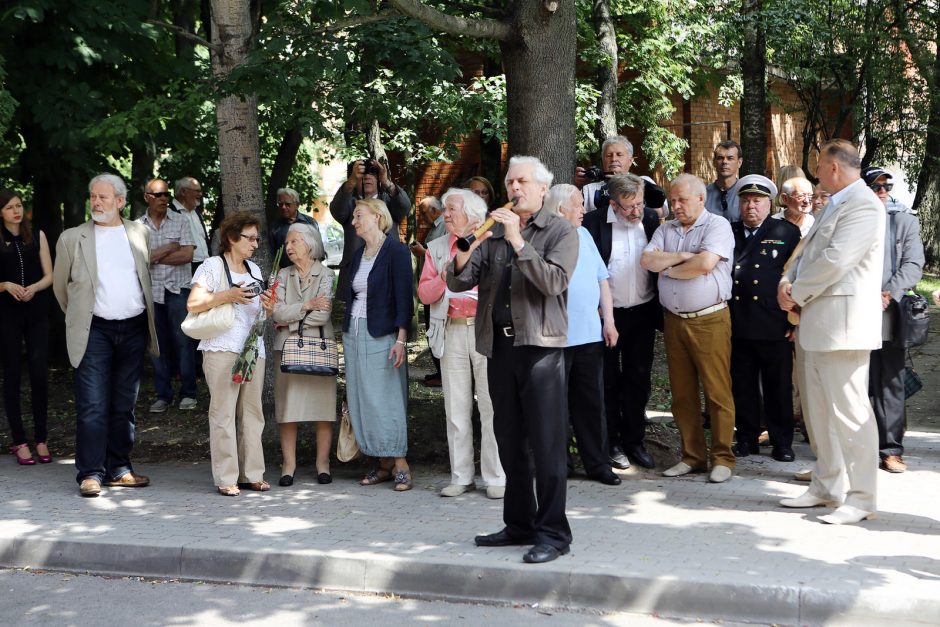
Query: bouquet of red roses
(244, 368)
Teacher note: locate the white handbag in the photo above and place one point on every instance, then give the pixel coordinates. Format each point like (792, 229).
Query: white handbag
(214, 322)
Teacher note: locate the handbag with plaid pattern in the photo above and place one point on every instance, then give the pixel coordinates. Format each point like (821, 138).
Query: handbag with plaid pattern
(310, 355)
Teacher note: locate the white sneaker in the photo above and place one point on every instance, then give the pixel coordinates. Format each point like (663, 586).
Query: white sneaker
(159, 406)
(455, 489)
(187, 404)
(808, 500)
(719, 474)
(846, 515)
(678, 470)
(495, 491)
(804, 475)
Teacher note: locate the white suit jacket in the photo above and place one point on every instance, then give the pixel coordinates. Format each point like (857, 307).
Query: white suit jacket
(75, 278)
(837, 276)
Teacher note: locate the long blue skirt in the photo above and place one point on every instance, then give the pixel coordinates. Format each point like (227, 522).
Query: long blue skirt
(376, 392)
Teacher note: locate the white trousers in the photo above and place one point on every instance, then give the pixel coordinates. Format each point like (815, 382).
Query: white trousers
(843, 429)
(462, 370)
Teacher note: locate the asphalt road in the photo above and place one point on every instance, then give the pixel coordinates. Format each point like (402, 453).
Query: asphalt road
(64, 599)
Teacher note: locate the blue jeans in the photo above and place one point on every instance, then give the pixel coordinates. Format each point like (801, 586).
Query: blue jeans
(106, 384)
(174, 345)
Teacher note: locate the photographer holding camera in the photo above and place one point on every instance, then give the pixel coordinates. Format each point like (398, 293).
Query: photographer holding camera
(616, 158)
(366, 178)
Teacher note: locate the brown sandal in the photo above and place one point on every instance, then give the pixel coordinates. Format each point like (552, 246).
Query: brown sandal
(229, 490)
(402, 480)
(377, 475)
(255, 486)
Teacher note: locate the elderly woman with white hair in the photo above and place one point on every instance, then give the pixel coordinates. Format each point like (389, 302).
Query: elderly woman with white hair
(304, 303)
(590, 326)
(452, 340)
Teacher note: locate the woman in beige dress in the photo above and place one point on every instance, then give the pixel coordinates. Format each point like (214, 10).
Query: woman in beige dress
(304, 291)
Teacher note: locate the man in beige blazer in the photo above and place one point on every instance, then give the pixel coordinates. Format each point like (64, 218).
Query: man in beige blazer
(102, 282)
(833, 281)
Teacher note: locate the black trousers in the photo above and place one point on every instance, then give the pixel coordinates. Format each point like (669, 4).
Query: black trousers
(527, 387)
(628, 368)
(767, 365)
(584, 371)
(32, 325)
(886, 388)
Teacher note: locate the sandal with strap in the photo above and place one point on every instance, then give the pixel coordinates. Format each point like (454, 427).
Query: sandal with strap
(402, 480)
(229, 490)
(375, 476)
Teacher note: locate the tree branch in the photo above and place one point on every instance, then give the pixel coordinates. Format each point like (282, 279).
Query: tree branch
(482, 28)
(185, 34)
(357, 20)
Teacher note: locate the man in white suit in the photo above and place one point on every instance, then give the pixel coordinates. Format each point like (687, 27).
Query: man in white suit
(833, 281)
(102, 282)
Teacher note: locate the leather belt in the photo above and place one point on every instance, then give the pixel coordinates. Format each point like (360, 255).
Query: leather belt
(702, 312)
(463, 321)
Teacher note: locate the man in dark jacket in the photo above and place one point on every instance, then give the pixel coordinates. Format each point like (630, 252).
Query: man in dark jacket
(523, 266)
(761, 353)
(362, 184)
(621, 232)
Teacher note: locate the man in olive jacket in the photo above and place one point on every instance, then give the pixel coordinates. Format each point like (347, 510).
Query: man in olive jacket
(522, 267)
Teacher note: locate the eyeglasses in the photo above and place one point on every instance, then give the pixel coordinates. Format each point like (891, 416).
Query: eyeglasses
(159, 194)
(251, 238)
(286, 204)
(800, 197)
(635, 207)
(877, 187)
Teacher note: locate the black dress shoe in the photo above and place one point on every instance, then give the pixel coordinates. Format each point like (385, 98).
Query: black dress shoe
(606, 476)
(541, 553)
(641, 456)
(286, 480)
(743, 449)
(502, 538)
(324, 478)
(618, 459)
(783, 454)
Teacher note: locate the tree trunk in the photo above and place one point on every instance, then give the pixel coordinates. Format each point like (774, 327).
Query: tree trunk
(927, 199)
(754, 100)
(540, 81)
(283, 165)
(607, 73)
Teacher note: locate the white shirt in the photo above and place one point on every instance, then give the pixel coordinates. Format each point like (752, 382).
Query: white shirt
(118, 294)
(360, 287)
(211, 276)
(630, 284)
(808, 221)
(199, 235)
(588, 193)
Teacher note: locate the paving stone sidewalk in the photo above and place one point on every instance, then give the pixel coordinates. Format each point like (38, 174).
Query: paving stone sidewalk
(679, 547)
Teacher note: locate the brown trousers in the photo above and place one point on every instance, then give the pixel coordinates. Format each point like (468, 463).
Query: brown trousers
(698, 350)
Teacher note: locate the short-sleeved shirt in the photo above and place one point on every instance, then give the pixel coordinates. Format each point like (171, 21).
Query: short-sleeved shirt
(709, 233)
(722, 203)
(173, 228)
(584, 293)
(211, 276)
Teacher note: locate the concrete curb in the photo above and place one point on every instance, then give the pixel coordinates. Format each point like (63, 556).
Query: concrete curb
(552, 586)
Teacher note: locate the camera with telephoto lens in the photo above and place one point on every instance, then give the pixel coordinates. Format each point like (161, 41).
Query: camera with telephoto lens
(594, 174)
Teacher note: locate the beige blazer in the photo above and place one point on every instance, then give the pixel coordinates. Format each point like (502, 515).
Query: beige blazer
(288, 309)
(75, 278)
(837, 276)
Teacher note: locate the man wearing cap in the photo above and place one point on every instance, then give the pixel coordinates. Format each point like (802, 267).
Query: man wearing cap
(692, 255)
(903, 268)
(719, 196)
(833, 285)
(761, 354)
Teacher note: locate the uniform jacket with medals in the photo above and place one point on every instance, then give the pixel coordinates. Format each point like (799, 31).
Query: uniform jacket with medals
(758, 266)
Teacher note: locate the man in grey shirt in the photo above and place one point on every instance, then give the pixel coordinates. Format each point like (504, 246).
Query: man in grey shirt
(719, 199)
(692, 255)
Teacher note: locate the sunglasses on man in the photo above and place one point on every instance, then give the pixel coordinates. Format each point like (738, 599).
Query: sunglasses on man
(877, 187)
(159, 194)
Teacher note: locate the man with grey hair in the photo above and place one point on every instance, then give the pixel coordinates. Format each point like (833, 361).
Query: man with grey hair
(796, 196)
(101, 279)
(187, 196)
(288, 204)
(522, 267)
(621, 232)
(616, 158)
(692, 255)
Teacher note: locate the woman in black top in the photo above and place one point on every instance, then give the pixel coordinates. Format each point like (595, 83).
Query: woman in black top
(25, 273)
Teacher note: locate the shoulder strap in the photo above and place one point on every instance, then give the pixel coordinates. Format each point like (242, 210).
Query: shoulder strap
(228, 274)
